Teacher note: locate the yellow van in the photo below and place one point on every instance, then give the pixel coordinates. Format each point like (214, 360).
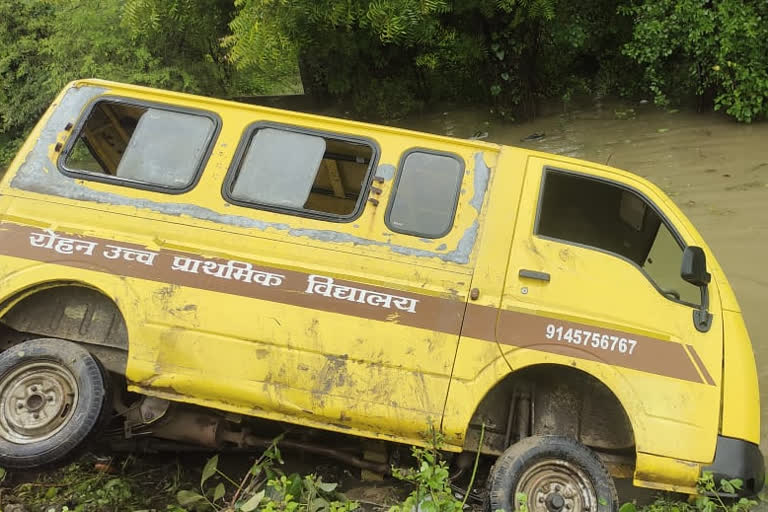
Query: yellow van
(228, 262)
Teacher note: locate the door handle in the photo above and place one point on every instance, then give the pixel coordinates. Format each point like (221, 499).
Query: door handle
(533, 274)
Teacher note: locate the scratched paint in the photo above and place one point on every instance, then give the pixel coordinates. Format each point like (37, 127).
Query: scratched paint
(385, 172)
(39, 174)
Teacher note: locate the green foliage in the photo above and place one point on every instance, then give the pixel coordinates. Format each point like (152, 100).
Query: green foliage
(707, 501)
(24, 88)
(171, 44)
(716, 49)
(388, 56)
(394, 56)
(39, 55)
(264, 488)
(554, 49)
(86, 487)
(184, 34)
(9, 146)
(432, 488)
(710, 501)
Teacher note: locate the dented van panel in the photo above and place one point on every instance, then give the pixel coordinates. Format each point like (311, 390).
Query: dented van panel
(528, 294)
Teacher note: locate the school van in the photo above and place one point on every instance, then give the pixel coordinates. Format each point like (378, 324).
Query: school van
(193, 267)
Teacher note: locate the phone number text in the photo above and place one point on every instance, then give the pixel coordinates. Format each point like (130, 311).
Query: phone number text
(590, 339)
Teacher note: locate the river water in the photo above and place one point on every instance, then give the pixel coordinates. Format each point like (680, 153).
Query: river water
(715, 169)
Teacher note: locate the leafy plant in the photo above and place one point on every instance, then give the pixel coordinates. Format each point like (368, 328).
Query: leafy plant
(264, 488)
(432, 488)
(86, 486)
(709, 499)
(432, 492)
(716, 50)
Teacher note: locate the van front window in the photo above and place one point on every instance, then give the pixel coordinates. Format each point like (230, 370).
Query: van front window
(603, 216)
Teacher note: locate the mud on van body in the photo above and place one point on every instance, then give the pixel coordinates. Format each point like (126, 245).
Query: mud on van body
(362, 279)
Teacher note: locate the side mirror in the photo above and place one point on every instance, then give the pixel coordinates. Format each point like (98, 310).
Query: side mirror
(694, 270)
(694, 267)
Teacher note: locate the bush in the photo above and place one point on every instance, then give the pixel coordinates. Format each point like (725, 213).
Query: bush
(716, 49)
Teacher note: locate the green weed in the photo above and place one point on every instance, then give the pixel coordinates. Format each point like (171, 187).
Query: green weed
(707, 501)
(264, 488)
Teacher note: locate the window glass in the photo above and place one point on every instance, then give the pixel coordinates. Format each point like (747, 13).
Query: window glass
(270, 150)
(146, 145)
(299, 171)
(426, 193)
(606, 217)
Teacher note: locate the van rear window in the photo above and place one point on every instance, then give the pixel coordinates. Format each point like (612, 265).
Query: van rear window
(426, 193)
(302, 173)
(140, 145)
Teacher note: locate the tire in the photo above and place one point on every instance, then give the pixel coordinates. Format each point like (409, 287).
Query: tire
(556, 474)
(53, 397)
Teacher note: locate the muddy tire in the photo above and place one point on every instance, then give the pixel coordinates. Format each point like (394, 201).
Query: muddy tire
(555, 474)
(53, 397)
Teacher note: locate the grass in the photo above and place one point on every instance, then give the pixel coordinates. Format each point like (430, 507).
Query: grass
(192, 484)
(95, 484)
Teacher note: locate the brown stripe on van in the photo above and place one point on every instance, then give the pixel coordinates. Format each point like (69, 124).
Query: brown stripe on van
(480, 322)
(429, 312)
(650, 355)
(701, 365)
(439, 314)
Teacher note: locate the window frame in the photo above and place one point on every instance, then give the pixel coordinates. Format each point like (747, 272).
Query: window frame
(664, 220)
(242, 149)
(115, 180)
(396, 185)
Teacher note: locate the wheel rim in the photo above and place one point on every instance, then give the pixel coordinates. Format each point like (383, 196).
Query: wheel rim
(36, 400)
(556, 486)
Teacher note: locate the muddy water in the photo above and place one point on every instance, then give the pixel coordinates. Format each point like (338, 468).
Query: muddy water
(714, 169)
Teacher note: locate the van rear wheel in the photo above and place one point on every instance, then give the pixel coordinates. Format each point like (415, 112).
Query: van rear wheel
(52, 397)
(551, 474)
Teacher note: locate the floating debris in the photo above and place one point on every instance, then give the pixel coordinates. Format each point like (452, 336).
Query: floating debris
(533, 136)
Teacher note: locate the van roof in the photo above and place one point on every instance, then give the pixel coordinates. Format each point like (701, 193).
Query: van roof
(216, 102)
(350, 125)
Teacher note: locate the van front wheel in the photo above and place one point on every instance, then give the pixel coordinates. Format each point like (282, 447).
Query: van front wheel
(550, 474)
(52, 397)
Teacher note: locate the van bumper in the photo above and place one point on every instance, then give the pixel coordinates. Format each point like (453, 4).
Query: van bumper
(736, 458)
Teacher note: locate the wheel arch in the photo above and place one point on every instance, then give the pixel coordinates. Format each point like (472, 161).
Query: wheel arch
(564, 399)
(68, 309)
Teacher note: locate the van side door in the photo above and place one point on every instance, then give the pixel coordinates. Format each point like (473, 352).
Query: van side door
(594, 282)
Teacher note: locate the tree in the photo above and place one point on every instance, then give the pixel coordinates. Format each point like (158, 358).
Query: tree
(717, 49)
(172, 44)
(385, 55)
